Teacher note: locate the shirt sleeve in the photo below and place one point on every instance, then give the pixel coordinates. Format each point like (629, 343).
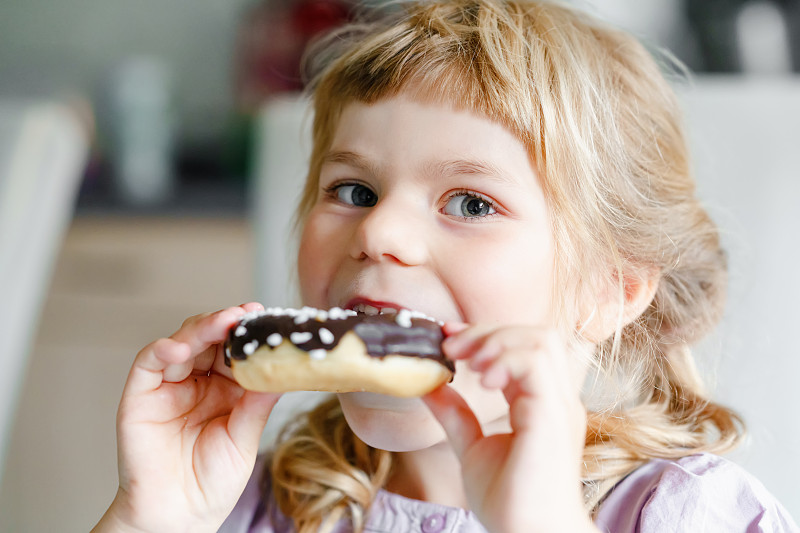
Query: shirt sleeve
(707, 493)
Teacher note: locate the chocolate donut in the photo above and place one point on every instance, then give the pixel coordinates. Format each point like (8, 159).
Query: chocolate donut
(337, 350)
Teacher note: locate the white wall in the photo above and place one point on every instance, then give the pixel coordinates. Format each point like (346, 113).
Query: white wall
(745, 135)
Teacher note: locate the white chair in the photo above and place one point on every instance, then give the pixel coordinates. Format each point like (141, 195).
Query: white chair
(745, 137)
(43, 149)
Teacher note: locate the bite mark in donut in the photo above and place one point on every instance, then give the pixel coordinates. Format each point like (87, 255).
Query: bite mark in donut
(337, 350)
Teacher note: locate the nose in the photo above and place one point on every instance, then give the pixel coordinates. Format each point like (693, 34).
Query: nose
(391, 230)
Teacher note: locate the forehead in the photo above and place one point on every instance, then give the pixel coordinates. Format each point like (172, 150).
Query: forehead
(403, 137)
(407, 122)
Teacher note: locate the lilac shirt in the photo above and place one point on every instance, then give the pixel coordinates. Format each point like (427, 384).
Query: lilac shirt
(699, 493)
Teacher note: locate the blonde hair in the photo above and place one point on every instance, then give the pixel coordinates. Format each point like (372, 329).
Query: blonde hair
(604, 129)
(322, 471)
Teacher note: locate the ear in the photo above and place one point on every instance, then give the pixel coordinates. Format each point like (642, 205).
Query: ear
(615, 307)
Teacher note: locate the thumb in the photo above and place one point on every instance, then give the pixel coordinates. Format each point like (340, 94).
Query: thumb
(457, 419)
(248, 418)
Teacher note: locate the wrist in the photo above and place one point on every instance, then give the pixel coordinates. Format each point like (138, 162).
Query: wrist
(118, 518)
(124, 517)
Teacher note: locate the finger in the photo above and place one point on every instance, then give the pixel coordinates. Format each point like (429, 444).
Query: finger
(207, 360)
(534, 381)
(177, 373)
(461, 343)
(147, 372)
(252, 307)
(218, 360)
(538, 370)
(457, 419)
(483, 346)
(201, 331)
(451, 328)
(204, 362)
(219, 366)
(248, 418)
(514, 365)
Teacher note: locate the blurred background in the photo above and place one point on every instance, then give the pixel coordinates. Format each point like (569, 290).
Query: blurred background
(140, 145)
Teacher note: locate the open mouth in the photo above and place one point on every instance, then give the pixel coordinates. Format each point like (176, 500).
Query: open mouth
(371, 310)
(402, 315)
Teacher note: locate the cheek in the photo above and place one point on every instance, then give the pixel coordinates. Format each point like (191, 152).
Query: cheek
(514, 286)
(311, 264)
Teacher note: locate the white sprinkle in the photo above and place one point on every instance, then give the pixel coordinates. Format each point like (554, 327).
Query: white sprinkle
(250, 316)
(326, 336)
(250, 347)
(404, 318)
(318, 354)
(300, 315)
(240, 331)
(228, 351)
(299, 337)
(337, 313)
(274, 339)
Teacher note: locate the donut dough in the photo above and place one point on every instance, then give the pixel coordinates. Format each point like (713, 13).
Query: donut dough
(281, 350)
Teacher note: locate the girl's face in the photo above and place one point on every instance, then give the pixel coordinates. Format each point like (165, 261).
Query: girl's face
(425, 207)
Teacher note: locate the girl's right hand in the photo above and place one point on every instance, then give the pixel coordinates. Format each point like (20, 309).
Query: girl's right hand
(187, 433)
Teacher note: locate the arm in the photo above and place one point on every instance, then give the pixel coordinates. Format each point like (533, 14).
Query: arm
(187, 434)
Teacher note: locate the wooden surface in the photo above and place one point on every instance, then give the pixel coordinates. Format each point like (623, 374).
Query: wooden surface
(119, 283)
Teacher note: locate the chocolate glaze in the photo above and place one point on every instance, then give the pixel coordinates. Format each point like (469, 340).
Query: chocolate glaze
(382, 334)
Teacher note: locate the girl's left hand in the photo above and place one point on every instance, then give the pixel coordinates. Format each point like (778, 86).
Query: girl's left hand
(527, 480)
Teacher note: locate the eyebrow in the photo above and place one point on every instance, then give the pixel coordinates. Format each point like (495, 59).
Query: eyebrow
(470, 167)
(452, 167)
(351, 159)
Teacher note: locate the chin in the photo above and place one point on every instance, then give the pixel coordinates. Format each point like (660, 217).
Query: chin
(389, 423)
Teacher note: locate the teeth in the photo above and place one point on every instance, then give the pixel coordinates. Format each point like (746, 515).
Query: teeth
(372, 310)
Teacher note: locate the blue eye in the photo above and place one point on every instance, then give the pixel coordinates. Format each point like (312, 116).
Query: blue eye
(356, 194)
(468, 205)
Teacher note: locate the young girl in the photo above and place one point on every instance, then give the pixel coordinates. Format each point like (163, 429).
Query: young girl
(519, 171)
